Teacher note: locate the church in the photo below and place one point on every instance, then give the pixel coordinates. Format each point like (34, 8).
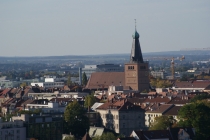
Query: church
(135, 76)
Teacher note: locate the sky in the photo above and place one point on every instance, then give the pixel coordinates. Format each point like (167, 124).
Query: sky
(89, 27)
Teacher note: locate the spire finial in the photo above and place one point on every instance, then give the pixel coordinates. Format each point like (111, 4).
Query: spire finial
(135, 24)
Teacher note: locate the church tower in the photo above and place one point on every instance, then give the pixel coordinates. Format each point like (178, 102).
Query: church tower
(137, 71)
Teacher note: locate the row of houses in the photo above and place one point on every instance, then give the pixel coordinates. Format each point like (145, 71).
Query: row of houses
(123, 114)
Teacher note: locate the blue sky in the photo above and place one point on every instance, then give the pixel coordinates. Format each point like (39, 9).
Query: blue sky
(81, 27)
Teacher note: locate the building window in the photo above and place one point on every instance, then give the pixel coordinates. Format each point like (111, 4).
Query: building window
(123, 117)
(131, 67)
(142, 67)
(123, 125)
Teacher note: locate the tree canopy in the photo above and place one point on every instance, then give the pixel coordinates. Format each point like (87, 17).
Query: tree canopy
(84, 79)
(105, 136)
(23, 84)
(200, 97)
(159, 83)
(69, 138)
(89, 100)
(76, 121)
(196, 115)
(163, 122)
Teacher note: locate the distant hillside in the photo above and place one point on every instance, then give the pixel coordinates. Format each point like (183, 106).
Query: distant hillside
(181, 52)
(103, 57)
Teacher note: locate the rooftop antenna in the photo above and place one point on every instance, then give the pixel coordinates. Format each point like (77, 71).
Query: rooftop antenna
(135, 24)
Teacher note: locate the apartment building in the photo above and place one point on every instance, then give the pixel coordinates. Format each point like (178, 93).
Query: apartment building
(155, 110)
(12, 130)
(121, 116)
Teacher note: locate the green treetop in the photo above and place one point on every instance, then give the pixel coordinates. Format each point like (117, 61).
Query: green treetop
(89, 101)
(163, 122)
(196, 115)
(84, 79)
(76, 121)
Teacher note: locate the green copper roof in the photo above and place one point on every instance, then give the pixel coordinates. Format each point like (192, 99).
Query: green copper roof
(135, 35)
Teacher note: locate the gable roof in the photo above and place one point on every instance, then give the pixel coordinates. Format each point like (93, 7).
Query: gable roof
(173, 111)
(105, 79)
(95, 131)
(175, 131)
(6, 91)
(157, 99)
(96, 105)
(120, 105)
(154, 134)
(156, 108)
(86, 137)
(180, 100)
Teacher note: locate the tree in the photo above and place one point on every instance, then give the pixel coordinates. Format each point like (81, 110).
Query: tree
(69, 138)
(159, 83)
(105, 136)
(196, 115)
(89, 101)
(84, 78)
(23, 84)
(200, 97)
(75, 120)
(163, 122)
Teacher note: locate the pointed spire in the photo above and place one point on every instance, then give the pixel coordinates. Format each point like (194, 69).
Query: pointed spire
(136, 55)
(135, 25)
(136, 34)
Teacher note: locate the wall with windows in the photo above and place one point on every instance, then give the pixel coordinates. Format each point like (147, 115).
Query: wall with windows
(12, 130)
(123, 122)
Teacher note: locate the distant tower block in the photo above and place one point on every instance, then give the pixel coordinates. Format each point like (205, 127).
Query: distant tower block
(137, 71)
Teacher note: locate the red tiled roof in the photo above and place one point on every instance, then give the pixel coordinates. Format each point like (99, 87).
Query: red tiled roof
(156, 108)
(14, 90)
(6, 91)
(24, 102)
(121, 105)
(173, 111)
(105, 79)
(158, 99)
(180, 100)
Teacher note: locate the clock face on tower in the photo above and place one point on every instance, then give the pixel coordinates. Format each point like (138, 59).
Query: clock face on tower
(134, 74)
